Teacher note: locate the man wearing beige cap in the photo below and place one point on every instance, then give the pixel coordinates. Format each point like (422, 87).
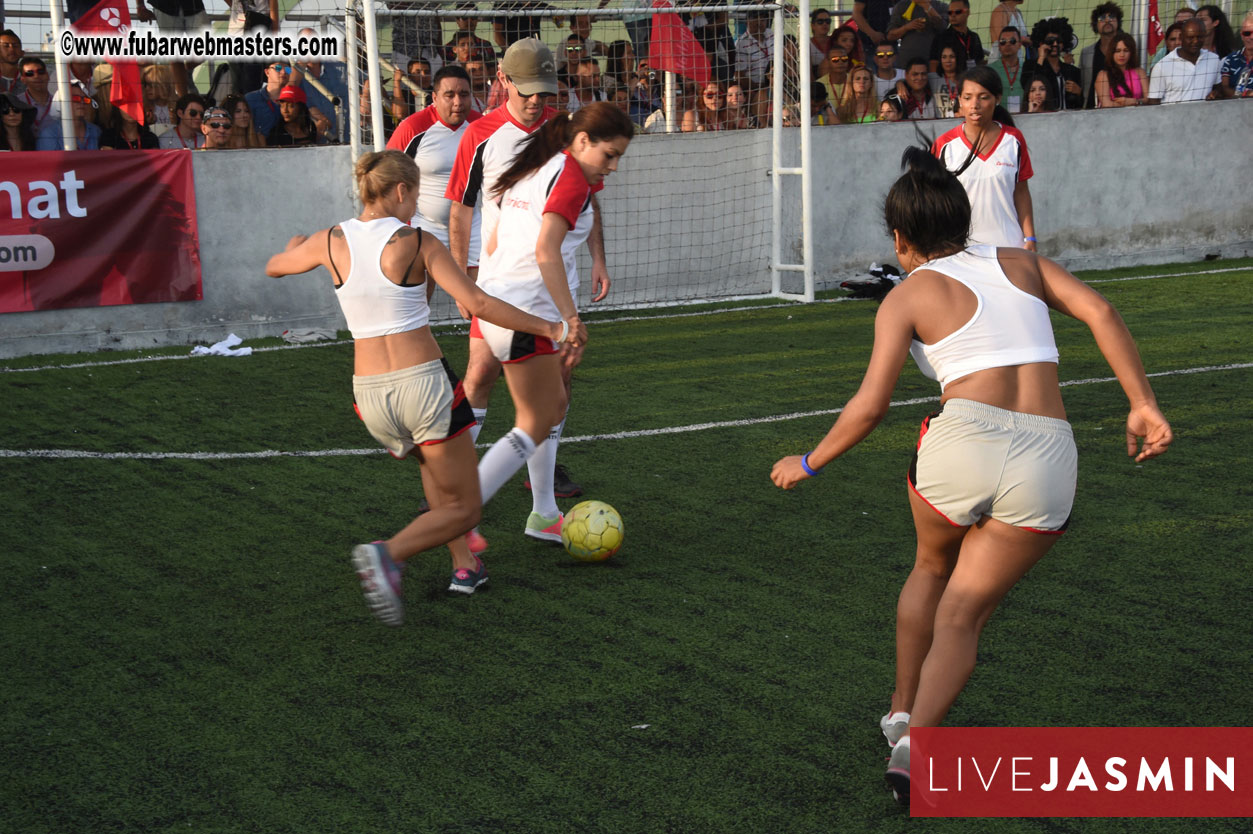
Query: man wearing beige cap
(528, 74)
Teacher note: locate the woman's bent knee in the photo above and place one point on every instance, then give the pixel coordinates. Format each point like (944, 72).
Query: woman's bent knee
(936, 564)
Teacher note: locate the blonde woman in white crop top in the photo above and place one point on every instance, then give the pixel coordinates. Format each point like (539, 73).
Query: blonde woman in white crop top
(405, 392)
(995, 468)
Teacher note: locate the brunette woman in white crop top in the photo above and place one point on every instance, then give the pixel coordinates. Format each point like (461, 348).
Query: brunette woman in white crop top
(405, 392)
(993, 478)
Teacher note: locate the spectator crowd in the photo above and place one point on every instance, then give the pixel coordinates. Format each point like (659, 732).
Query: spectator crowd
(887, 61)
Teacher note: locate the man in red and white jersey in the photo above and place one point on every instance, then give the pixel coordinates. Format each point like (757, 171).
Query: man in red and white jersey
(528, 74)
(431, 137)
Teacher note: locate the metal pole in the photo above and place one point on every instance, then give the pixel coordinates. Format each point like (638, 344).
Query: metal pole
(776, 156)
(375, 78)
(672, 122)
(807, 185)
(69, 139)
(354, 82)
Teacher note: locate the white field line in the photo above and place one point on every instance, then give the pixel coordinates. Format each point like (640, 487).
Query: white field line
(456, 330)
(71, 454)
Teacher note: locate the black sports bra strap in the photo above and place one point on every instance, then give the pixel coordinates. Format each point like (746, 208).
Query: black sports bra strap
(404, 282)
(339, 279)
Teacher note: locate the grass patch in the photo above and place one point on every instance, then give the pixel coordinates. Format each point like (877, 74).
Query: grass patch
(187, 649)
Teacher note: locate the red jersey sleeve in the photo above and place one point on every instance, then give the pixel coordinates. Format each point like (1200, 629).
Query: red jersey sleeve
(569, 192)
(466, 177)
(943, 140)
(408, 134)
(1024, 159)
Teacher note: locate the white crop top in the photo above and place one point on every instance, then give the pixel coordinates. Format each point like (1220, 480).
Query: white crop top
(1009, 327)
(373, 305)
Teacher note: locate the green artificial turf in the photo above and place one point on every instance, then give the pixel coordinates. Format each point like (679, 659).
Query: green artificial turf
(186, 647)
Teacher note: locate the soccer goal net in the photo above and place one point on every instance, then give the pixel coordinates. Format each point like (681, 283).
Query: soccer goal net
(690, 214)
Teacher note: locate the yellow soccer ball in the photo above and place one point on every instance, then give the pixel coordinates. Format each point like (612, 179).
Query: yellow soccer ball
(592, 531)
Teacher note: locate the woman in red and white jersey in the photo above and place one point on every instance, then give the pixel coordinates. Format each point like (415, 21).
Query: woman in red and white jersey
(989, 157)
(546, 213)
(993, 479)
(405, 392)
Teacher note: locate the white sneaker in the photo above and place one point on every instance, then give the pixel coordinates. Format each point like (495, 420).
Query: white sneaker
(380, 582)
(898, 771)
(894, 725)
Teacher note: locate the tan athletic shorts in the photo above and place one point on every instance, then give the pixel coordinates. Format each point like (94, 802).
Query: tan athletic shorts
(975, 460)
(417, 406)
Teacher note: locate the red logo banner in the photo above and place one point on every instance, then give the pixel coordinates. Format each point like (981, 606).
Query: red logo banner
(97, 228)
(1081, 772)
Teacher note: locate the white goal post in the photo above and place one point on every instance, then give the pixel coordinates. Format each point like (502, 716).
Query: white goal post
(688, 218)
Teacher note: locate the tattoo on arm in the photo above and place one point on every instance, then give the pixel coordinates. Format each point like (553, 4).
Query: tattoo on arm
(403, 233)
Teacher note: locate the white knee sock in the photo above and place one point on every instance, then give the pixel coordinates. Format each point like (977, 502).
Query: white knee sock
(503, 460)
(540, 470)
(480, 414)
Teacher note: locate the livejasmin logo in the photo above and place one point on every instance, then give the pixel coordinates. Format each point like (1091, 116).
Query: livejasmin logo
(1081, 772)
(1022, 773)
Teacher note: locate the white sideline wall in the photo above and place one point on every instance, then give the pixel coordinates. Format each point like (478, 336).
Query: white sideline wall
(1136, 185)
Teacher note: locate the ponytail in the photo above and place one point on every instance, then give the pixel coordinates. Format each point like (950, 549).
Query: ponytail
(928, 205)
(601, 121)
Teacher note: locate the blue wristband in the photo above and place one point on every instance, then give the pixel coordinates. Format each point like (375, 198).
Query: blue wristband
(813, 473)
(1028, 240)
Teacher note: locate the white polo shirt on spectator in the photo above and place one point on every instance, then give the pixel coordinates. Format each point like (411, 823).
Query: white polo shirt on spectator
(1177, 79)
(754, 57)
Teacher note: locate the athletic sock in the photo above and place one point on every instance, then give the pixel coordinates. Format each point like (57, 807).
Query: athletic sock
(480, 414)
(540, 469)
(503, 460)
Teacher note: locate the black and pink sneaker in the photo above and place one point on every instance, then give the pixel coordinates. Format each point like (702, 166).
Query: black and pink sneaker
(467, 581)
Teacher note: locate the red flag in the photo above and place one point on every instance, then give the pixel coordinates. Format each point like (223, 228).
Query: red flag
(1155, 30)
(672, 46)
(126, 91)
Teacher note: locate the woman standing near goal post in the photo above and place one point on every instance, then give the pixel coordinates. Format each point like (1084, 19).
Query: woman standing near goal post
(546, 213)
(993, 479)
(404, 390)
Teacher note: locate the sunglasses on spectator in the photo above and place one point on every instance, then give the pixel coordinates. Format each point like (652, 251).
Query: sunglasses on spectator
(219, 125)
(193, 114)
(6, 107)
(841, 60)
(885, 54)
(823, 21)
(1108, 17)
(31, 73)
(1247, 34)
(952, 12)
(279, 68)
(1008, 41)
(1052, 41)
(80, 100)
(574, 49)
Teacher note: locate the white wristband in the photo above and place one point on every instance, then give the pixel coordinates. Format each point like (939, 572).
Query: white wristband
(565, 331)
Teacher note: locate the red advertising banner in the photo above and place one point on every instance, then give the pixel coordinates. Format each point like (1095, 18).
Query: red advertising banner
(1081, 772)
(97, 228)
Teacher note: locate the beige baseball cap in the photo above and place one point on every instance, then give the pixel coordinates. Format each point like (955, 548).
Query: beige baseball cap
(530, 65)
